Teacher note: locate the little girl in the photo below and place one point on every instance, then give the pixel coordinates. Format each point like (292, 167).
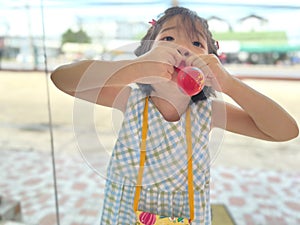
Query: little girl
(179, 37)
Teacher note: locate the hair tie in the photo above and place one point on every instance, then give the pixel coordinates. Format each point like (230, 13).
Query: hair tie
(153, 22)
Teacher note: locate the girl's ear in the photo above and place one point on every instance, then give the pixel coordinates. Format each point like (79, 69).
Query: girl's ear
(217, 45)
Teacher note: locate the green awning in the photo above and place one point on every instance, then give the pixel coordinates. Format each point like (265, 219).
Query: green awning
(259, 48)
(259, 41)
(251, 36)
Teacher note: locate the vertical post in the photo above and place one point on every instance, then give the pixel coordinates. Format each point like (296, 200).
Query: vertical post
(174, 3)
(32, 48)
(1, 51)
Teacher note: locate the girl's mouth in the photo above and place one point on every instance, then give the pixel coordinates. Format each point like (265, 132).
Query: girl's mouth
(182, 64)
(180, 67)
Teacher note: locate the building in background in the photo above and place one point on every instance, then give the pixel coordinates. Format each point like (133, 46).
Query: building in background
(251, 41)
(248, 39)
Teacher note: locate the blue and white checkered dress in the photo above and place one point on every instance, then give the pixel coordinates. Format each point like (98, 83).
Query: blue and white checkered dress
(164, 189)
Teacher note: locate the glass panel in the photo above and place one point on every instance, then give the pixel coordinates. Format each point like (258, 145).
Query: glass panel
(248, 174)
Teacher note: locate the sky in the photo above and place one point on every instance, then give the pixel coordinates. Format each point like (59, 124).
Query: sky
(21, 17)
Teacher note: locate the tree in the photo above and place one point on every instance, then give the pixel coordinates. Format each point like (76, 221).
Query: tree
(75, 37)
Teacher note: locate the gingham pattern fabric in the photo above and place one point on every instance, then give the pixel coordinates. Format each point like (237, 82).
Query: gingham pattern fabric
(164, 189)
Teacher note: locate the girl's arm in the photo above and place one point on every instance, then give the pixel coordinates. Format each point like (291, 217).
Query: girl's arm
(261, 118)
(258, 116)
(90, 74)
(90, 79)
(101, 82)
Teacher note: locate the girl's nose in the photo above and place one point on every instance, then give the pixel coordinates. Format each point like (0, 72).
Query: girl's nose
(183, 51)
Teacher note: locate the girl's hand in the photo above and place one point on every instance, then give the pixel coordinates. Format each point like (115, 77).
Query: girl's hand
(157, 65)
(216, 75)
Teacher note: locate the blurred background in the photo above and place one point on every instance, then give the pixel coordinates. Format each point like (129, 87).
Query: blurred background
(45, 175)
(259, 32)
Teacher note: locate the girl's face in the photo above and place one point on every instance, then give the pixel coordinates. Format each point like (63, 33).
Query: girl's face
(189, 42)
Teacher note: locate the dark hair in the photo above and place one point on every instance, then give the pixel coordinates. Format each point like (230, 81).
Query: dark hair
(189, 19)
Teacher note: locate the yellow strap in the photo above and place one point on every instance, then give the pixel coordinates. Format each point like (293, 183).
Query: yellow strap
(143, 158)
(190, 162)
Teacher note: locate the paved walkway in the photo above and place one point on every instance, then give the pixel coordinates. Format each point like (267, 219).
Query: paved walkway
(253, 197)
(258, 181)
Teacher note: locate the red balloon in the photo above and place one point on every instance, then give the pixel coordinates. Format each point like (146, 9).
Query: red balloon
(190, 80)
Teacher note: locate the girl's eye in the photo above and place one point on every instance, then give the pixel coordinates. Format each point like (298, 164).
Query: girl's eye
(197, 43)
(168, 38)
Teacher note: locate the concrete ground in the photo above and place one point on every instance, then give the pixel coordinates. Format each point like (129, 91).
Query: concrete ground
(258, 181)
